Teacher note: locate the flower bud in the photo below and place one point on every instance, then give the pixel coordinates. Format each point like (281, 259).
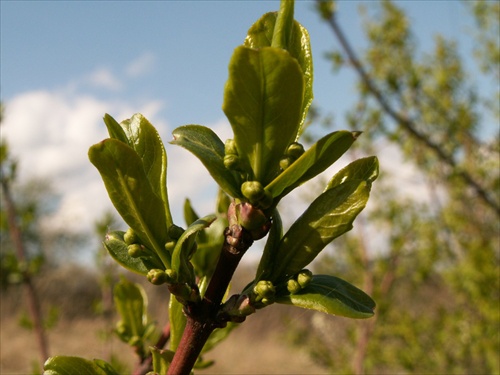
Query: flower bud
(130, 237)
(136, 250)
(293, 286)
(169, 246)
(157, 277)
(295, 150)
(304, 277)
(264, 289)
(286, 162)
(230, 147)
(252, 219)
(232, 162)
(253, 190)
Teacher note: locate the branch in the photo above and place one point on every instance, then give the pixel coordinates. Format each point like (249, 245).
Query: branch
(407, 124)
(31, 294)
(203, 318)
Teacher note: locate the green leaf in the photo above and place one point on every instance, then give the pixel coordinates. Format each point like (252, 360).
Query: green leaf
(329, 216)
(177, 322)
(131, 304)
(206, 146)
(268, 258)
(209, 245)
(138, 133)
(131, 193)
(263, 101)
(117, 248)
(315, 160)
(361, 169)
(161, 360)
(181, 253)
(145, 140)
(67, 365)
(115, 130)
(261, 35)
(332, 295)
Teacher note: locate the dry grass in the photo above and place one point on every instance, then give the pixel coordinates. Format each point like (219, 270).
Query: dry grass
(258, 346)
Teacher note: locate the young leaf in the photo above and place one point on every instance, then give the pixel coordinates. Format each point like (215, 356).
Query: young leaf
(118, 250)
(361, 169)
(328, 217)
(315, 160)
(267, 260)
(262, 100)
(131, 304)
(67, 365)
(332, 295)
(131, 193)
(261, 35)
(145, 140)
(115, 130)
(161, 360)
(208, 147)
(177, 321)
(181, 253)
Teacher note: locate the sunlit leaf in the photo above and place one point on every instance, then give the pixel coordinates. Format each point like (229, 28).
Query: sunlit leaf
(261, 35)
(332, 295)
(182, 254)
(206, 146)
(67, 365)
(329, 216)
(263, 101)
(315, 160)
(117, 248)
(131, 193)
(361, 169)
(140, 135)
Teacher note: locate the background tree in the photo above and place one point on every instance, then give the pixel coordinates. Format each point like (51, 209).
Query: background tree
(435, 270)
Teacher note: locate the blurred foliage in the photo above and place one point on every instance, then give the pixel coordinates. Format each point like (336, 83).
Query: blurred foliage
(429, 257)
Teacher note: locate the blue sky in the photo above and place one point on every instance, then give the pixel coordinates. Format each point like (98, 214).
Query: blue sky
(66, 63)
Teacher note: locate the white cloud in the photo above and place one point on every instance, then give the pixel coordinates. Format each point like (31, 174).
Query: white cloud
(104, 78)
(141, 65)
(50, 134)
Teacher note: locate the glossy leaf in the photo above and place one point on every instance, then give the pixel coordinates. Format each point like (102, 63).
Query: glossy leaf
(263, 101)
(315, 160)
(139, 134)
(206, 146)
(115, 130)
(131, 193)
(361, 169)
(332, 295)
(117, 248)
(68, 365)
(261, 35)
(268, 258)
(329, 216)
(181, 253)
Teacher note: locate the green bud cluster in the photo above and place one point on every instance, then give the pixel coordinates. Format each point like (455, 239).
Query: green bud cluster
(264, 294)
(157, 277)
(256, 194)
(134, 247)
(293, 152)
(299, 281)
